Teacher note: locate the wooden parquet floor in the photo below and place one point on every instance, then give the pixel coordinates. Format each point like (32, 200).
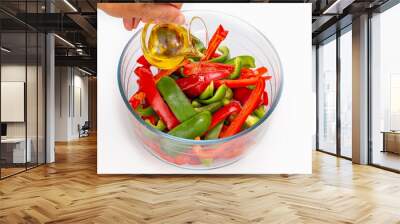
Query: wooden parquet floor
(70, 191)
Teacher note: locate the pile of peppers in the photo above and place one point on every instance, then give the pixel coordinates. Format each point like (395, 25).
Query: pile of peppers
(209, 97)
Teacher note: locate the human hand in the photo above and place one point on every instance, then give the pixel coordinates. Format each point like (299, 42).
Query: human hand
(133, 13)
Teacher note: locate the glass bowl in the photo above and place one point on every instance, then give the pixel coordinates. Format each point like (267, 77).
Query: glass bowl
(243, 39)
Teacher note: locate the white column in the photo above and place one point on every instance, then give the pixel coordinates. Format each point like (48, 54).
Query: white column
(360, 90)
(50, 99)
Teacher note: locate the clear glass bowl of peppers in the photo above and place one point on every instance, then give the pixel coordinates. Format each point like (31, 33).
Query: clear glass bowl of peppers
(210, 111)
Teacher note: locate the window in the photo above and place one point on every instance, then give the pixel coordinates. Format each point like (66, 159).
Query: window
(385, 89)
(327, 96)
(346, 93)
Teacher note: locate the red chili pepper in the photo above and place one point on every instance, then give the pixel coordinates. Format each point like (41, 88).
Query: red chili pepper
(152, 119)
(246, 73)
(260, 71)
(162, 154)
(163, 73)
(136, 99)
(194, 85)
(182, 159)
(247, 109)
(216, 39)
(196, 90)
(236, 83)
(202, 67)
(224, 112)
(265, 98)
(215, 55)
(233, 152)
(148, 86)
(143, 61)
(249, 73)
(242, 94)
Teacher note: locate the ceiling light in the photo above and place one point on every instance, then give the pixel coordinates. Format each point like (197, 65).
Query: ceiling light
(337, 7)
(70, 5)
(84, 71)
(5, 50)
(64, 40)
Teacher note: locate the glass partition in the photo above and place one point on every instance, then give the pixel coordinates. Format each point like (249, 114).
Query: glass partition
(385, 89)
(327, 96)
(13, 105)
(22, 77)
(346, 93)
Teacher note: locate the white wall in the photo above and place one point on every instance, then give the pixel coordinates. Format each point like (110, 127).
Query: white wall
(71, 94)
(314, 100)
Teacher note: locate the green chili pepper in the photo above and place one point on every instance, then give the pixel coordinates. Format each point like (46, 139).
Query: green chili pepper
(251, 87)
(160, 125)
(194, 59)
(176, 99)
(260, 111)
(196, 103)
(229, 94)
(208, 92)
(238, 66)
(225, 101)
(251, 120)
(224, 55)
(207, 162)
(246, 61)
(197, 44)
(193, 127)
(219, 95)
(145, 112)
(214, 133)
(212, 107)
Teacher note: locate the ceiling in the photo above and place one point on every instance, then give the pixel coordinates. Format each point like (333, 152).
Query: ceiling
(75, 22)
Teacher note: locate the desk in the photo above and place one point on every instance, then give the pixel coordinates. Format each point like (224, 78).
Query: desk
(391, 141)
(17, 150)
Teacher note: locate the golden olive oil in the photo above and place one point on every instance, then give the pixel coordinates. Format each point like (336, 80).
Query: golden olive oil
(167, 45)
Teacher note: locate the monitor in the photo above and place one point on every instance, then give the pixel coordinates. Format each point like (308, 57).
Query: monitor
(3, 129)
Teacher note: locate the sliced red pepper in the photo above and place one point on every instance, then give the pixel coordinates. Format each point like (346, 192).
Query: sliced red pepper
(152, 119)
(260, 71)
(143, 61)
(167, 72)
(182, 159)
(162, 154)
(236, 83)
(247, 109)
(216, 39)
(137, 99)
(265, 98)
(202, 67)
(224, 112)
(194, 85)
(215, 55)
(148, 86)
(248, 73)
(196, 90)
(223, 130)
(242, 94)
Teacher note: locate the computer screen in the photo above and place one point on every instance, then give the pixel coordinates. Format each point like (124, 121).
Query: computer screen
(3, 129)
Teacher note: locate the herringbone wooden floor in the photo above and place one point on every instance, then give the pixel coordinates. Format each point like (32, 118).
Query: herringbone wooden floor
(70, 191)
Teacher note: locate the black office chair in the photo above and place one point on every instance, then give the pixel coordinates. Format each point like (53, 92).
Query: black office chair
(84, 130)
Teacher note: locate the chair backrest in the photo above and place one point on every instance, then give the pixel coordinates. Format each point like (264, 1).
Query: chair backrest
(86, 125)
